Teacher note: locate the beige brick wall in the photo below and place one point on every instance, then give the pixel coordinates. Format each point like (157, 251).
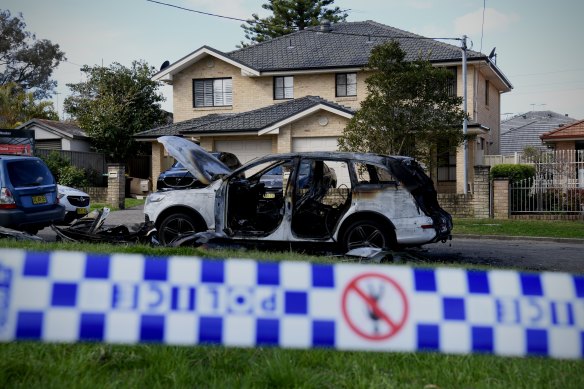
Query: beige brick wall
(157, 162)
(486, 114)
(312, 126)
(252, 92)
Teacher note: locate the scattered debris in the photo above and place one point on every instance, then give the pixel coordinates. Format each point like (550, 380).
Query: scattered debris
(18, 235)
(92, 228)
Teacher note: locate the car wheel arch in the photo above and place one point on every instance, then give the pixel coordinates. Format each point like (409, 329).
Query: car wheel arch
(196, 216)
(367, 216)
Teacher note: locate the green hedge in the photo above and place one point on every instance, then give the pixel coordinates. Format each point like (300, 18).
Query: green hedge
(513, 172)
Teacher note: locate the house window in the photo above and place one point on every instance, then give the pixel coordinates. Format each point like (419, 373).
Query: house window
(346, 84)
(446, 162)
(487, 87)
(283, 88)
(451, 83)
(212, 92)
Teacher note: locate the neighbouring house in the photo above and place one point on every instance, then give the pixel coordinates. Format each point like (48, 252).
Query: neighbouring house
(566, 137)
(526, 129)
(56, 135)
(297, 93)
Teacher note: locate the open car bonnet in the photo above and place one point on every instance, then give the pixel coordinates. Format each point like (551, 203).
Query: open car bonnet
(194, 158)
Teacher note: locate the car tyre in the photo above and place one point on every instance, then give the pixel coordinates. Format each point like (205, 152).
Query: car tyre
(175, 225)
(367, 233)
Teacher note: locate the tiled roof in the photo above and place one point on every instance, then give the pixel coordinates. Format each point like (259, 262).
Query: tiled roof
(348, 44)
(176, 129)
(525, 130)
(255, 120)
(65, 127)
(574, 130)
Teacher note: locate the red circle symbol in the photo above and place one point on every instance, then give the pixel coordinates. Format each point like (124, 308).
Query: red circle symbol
(378, 306)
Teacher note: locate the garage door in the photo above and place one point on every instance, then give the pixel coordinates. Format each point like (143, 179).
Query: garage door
(314, 144)
(245, 150)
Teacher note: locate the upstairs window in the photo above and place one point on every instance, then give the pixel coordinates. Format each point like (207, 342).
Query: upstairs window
(451, 83)
(487, 87)
(283, 88)
(346, 84)
(212, 92)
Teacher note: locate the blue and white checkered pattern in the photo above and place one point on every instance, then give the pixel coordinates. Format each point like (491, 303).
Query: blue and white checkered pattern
(71, 297)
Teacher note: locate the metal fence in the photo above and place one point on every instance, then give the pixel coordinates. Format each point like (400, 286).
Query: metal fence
(557, 188)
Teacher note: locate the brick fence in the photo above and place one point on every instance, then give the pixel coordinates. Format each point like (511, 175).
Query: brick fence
(471, 205)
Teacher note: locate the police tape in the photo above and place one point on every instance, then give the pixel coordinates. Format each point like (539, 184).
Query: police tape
(124, 298)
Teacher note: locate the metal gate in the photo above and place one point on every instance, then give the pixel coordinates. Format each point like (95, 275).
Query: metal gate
(557, 188)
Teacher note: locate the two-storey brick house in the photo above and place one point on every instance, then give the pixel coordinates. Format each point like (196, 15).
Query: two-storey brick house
(298, 92)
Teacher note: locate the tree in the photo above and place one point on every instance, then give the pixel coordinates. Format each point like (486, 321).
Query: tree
(18, 106)
(289, 16)
(24, 60)
(115, 103)
(409, 108)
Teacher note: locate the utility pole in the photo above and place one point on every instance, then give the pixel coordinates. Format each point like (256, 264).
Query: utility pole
(465, 121)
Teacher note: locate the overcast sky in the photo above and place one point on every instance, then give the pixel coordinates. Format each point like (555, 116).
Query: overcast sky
(539, 42)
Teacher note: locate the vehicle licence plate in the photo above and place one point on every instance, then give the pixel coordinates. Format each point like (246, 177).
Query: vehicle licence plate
(269, 196)
(40, 199)
(82, 211)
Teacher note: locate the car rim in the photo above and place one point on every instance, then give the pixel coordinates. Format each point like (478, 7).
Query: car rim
(175, 228)
(365, 235)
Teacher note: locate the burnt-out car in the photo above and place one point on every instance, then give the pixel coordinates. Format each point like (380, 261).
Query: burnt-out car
(376, 201)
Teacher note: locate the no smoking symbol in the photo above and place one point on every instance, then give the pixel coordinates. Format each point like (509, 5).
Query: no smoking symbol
(374, 306)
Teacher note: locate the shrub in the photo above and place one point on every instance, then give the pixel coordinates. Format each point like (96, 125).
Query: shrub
(64, 172)
(513, 172)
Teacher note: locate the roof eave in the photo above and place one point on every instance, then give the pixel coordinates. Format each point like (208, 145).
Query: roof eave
(275, 126)
(166, 74)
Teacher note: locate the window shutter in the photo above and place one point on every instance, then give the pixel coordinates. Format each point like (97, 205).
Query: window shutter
(228, 91)
(199, 94)
(218, 92)
(289, 87)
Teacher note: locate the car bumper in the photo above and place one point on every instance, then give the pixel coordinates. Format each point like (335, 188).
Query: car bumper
(16, 218)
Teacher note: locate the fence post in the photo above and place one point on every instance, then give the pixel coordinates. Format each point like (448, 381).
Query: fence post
(501, 198)
(481, 195)
(116, 185)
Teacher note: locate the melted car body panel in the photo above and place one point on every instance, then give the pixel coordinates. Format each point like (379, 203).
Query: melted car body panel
(194, 158)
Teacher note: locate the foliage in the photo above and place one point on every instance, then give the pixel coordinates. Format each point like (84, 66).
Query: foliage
(18, 107)
(24, 60)
(115, 103)
(513, 172)
(408, 108)
(64, 172)
(289, 16)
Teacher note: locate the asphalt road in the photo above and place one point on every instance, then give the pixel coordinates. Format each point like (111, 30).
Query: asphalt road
(528, 254)
(523, 253)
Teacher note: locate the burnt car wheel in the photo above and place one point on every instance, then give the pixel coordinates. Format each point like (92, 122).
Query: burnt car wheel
(367, 233)
(175, 225)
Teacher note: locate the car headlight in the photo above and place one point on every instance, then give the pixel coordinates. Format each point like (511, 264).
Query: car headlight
(154, 198)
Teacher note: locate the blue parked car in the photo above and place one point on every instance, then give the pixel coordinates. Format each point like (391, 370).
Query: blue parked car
(28, 194)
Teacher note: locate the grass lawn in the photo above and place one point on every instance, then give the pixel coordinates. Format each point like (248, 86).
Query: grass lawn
(35, 365)
(544, 228)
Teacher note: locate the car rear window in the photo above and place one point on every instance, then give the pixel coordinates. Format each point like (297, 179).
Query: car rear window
(29, 172)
